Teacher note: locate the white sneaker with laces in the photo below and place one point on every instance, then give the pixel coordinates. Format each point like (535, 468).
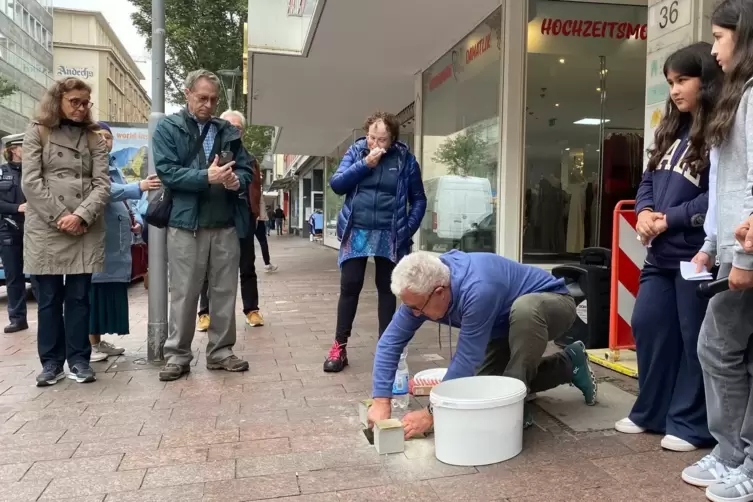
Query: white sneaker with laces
(626, 426)
(270, 268)
(97, 356)
(673, 443)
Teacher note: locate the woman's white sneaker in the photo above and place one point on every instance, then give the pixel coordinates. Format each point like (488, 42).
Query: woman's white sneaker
(97, 356)
(673, 443)
(626, 426)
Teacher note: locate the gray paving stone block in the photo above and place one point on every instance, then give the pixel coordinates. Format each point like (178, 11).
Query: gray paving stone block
(566, 404)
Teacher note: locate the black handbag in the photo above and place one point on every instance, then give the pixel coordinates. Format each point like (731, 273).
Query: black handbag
(161, 205)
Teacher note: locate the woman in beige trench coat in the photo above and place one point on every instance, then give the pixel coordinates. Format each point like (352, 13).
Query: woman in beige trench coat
(67, 186)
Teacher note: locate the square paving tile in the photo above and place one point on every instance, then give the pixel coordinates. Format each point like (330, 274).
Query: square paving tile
(256, 488)
(10, 473)
(343, 479)
(118, 445)
(22, 491)
(47, 470)
(249, 449)
(34, 453)
(189, 473)
(271, 464)
(182, 493)
(162, 457)
(566, 404)
(94, 483)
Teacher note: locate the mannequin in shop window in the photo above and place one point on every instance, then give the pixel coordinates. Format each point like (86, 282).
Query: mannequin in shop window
(671, 205)
(551, 214)
(592, 207)
(576, 217)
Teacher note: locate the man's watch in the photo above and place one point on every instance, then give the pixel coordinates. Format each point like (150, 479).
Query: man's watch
(430, 409)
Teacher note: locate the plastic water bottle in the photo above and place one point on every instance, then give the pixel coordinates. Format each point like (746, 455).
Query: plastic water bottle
(400, 397)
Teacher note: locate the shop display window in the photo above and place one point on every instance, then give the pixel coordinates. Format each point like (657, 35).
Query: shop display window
(584, 124)
(460, 141)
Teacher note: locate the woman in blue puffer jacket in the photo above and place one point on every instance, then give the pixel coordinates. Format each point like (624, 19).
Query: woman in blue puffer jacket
(384, 205)
(109, 292)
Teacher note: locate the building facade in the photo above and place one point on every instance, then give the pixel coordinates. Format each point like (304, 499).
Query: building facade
(86, 47)
(26, 59)
(530, 119)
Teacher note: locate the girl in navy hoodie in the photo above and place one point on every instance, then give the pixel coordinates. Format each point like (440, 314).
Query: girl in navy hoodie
(671, 206)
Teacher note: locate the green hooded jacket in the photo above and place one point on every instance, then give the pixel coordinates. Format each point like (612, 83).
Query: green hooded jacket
(196, 203)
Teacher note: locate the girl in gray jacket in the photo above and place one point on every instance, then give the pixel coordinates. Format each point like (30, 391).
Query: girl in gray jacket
(724, 346)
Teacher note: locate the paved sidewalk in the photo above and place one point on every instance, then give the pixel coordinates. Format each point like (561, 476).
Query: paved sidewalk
(286, 431)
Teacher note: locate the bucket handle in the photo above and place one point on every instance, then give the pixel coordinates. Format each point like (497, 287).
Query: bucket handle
(443, 404)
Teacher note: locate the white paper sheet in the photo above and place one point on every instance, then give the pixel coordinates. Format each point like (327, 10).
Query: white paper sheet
(687, 269)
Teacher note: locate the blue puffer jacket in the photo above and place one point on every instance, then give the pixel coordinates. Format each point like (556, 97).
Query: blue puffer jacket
(118, 235)
(410, 200)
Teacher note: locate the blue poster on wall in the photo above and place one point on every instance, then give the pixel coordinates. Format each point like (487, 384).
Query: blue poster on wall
(130, 146)
(129, 149)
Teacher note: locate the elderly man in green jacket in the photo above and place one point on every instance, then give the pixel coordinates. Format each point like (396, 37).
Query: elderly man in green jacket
(201, 162)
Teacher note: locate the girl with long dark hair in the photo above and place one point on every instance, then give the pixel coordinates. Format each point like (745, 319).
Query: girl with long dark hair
(724, 345)
(671, 206)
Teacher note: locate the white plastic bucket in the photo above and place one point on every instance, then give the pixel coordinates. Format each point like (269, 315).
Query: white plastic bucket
(478, 420)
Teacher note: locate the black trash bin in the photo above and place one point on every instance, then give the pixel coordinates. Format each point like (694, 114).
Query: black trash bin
(589, 283)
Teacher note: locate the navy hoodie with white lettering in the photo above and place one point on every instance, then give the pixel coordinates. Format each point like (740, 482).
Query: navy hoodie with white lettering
(683, 198)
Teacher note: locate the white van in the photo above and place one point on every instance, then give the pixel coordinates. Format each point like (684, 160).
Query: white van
(453, 205)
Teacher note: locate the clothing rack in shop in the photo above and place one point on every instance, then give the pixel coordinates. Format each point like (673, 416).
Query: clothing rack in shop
(608, 132)
(622, 154)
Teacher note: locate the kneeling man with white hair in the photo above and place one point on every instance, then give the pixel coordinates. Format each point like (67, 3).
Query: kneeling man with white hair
(507, 313)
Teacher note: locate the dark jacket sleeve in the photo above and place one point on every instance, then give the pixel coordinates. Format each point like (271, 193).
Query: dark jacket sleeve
(416, 196)
(645, 197)
(689, 214)
(244, 166)
(8, 208)
(350, 173)
(170, 170)
(255, 191)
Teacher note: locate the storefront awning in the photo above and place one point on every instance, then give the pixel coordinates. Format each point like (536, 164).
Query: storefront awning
(283, 183)
(305, 96)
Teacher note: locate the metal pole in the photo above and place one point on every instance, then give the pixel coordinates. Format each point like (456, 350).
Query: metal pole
(230, 95)
(157, 324)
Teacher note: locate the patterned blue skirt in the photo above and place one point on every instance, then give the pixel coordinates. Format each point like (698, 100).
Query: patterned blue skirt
(361, 243)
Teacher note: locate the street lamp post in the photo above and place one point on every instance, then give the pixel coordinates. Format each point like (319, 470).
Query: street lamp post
(230, 91)
(157, 322)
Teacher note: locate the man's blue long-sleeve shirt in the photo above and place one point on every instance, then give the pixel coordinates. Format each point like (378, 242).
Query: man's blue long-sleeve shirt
(483, 288)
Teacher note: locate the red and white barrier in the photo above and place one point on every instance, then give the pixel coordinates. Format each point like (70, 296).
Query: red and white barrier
(628, 256)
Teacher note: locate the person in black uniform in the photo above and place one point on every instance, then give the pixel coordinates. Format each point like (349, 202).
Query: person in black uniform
(12, 208)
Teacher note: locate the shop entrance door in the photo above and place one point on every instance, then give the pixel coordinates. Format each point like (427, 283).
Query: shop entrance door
(584, 129)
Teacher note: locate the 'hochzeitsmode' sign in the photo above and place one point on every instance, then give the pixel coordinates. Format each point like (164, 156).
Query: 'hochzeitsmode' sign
(73, 71)
(586, 28)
